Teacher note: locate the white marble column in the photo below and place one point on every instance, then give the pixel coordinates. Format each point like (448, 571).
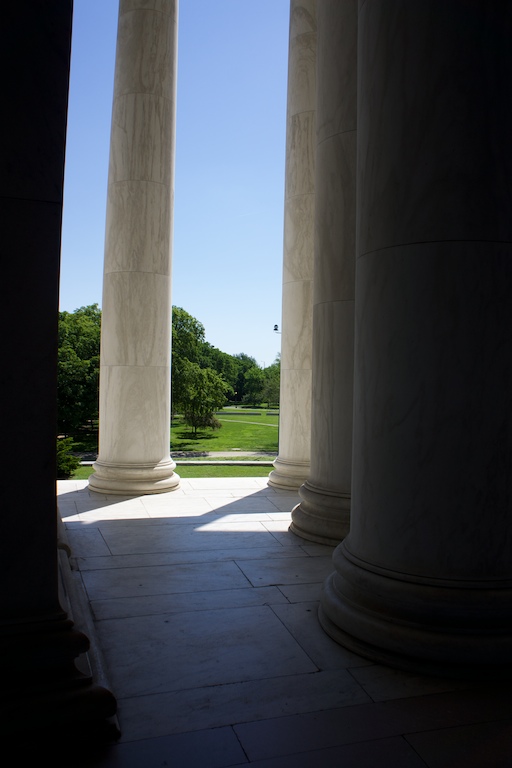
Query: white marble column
(324, 510)
(136, 311)
(424, 579)
(291, 467)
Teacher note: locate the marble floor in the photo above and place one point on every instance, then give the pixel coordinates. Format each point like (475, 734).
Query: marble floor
(204, 622)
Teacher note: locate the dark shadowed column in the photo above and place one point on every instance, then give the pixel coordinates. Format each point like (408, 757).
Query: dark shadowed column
(424, 579)
(43, 693)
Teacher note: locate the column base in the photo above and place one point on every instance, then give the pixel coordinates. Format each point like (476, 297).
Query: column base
(446, 628)
(322, 516)
(45, 695)
(133, 479)
(288, 475)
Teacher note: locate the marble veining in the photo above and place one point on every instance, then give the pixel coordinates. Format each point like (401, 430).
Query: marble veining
(302, 18)
(135, 344)
(296, 346)
(298, 246)
(142, 139)
(138, 233)
(143, 394)
(138, 327)
(292, 464)
(323, 512)
(302, 61)
(295, 421)
(146, 43)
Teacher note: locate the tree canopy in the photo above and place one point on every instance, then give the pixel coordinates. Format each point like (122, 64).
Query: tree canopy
(187, 336)
(199, 373)
(205, 392)
(246, 381)
(203, 378)
(271, 387)
(78, 368)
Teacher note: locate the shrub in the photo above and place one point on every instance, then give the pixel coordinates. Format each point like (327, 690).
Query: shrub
(66, 462)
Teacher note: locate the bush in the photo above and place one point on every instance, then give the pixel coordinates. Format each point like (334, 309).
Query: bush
(201, 421)
(66, 462)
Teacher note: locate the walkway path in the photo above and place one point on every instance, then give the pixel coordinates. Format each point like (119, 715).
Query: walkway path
(228, 457)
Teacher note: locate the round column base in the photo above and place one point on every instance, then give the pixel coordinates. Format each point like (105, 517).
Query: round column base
(322, 516)
(133, 479)
(288, 475)
(446, 628)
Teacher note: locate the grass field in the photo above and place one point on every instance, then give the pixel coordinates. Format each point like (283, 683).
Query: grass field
(205, 470)
(240, 430)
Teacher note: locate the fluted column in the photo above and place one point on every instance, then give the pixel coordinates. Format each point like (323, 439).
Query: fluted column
(324, 510)
(291, 467)
(424, 579)
(134, 440)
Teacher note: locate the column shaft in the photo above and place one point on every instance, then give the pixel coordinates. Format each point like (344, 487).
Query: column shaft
(291, 467)
(136, 311)
(424, 579)
(323, 514)
(44, 695)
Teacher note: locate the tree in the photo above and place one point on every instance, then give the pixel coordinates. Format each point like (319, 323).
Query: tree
(254, 382)
(78, 368)
(187, 340)
(271, 386)
(187, 335)
(204, 393)
(244, 363)
(222, 363)
(66, 461)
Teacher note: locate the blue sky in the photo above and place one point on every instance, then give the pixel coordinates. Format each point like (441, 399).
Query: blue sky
(229, 180)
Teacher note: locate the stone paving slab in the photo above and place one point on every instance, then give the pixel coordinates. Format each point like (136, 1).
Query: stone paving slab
(205, 611)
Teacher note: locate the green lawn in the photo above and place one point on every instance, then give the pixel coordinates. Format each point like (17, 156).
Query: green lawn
(205, 470)
(215, 470)
(239, 430)
(244, 430)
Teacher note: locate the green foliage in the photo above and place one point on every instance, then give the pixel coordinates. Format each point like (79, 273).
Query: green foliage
(246, 381)
(78, 368)
(187, 335)
(244, 363)
(240, 431)
(202, 377)
(187, 339)
(254, 383)
(66, 462)
(204, 392)
(222, 363)
(271, 387)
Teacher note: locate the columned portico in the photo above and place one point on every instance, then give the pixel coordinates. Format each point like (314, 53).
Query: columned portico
(323, 514)
(424, 579)
(134, 437)
(291, 468)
